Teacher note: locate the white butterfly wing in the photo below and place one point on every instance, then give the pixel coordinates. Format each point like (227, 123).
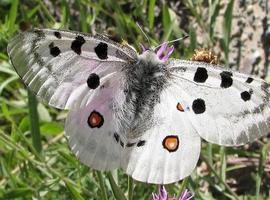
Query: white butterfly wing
(225, 107)
(71, 70)
(93, 130)
(56, 65)
(168, 151)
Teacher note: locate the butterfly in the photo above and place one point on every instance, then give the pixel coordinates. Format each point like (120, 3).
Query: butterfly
(145, 113)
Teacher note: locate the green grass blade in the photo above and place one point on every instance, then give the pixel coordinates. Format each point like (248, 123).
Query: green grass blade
(118, 193)
(227, 26)
(193, 40)
(3, 56)
(5, 68)
(130, 188)
(13, 15)
(182, 187)
(65, 10)
(83, 19)
(6, 82)
(46, 11)
(115, 176)
(259, 176)
(166, 21)
(219, 178)
(265, 151)
(17, 193)
(214, 9)
(102, 185)
(223, 163)
(210, 153)
(151, 13)
(34, 121)
(33, 12)
(73, 191)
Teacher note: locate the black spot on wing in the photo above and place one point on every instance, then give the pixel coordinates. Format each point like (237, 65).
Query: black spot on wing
(249, 80)
(141, 143)
(101, 50)
(226, 79)
(246, 95)
(93, 81)
(116, 137)
(131, 144)
(200, 75)
(76, 44)
(198, 106)
(57, 34)
(54, 50)
(122, 143)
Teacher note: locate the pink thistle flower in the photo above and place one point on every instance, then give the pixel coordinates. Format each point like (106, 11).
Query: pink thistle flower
(143, 48)
(163, 195)
(186, 195)
(164, 52)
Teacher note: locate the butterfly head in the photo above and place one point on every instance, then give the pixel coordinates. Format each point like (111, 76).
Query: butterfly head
(161, 53)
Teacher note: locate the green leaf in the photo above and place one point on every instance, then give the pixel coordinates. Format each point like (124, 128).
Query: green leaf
(43, 113)
(51, 128)
(24, 124)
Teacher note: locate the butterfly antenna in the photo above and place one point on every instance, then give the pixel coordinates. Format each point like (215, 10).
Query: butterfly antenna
(143, 32)
(172, 41)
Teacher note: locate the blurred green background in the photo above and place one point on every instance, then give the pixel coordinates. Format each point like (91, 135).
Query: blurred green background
(34, 166)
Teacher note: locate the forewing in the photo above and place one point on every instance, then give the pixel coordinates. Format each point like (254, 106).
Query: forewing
(225, 107)
(56, 64)
(167, 152)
